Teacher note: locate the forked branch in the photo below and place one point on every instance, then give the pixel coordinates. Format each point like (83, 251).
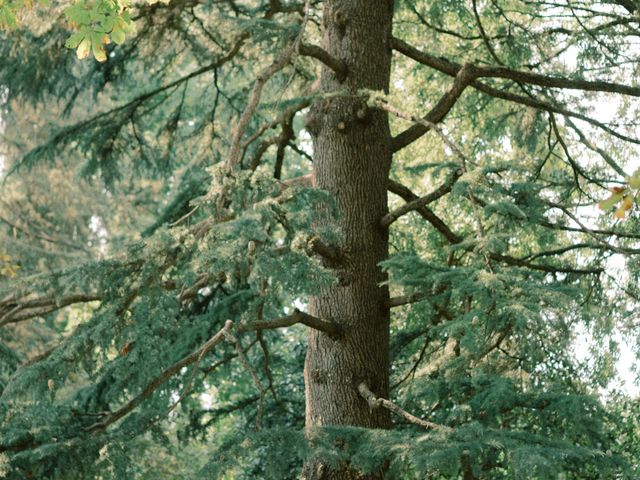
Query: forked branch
(464, 77)
(453, 69)
(410, 206)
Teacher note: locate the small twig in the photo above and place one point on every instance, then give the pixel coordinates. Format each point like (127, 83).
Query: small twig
(185, 217)
(377, 402)
(254, 376)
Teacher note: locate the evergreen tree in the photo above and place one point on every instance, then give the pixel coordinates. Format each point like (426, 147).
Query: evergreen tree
(203, 275)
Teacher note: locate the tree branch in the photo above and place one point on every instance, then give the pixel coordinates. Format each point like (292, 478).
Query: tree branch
(405, 299)
(426, 213)
(330, 328)
(515, 75)
(236, 150)
(330, 252)
(595, 148)
(463, 78)
(61, 137)
(20, 310)
(453, 238)
(377, 402)
(338, 66)
(452, 69)
(412, 205)
(160, 379)
(254, 376)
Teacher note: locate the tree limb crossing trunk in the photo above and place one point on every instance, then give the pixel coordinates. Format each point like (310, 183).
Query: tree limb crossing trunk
(352, 157)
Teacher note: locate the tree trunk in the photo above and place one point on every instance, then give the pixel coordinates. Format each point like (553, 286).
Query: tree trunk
(352, 157)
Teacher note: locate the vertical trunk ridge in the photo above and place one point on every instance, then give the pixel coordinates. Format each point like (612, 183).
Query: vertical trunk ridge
(352, 157)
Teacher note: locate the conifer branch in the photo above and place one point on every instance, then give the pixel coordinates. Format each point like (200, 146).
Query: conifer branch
(62, 137)
(425, 212)
(43, 236)
(452, 69)
(214, 414)
(286, 113)
(161, 379)
(463, 78)
(330, 328)
(235, 153)
(537, 79)
(454, 238)
(254, 376)
(227, 359)
(415, 204)
(405, 299)
(18, 310)
(306, 180)
(591, 146)
(377, 402)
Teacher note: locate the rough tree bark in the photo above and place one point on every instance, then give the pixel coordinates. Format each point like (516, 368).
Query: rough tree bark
(352, 157)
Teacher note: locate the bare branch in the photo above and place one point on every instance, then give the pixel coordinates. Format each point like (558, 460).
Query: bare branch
(330, 328)
(338, 66)
(330, 252)
(377, 402)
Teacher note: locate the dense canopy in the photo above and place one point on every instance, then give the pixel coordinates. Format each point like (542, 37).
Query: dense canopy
(332, 239)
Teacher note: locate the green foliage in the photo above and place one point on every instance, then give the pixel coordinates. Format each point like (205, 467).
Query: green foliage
(115, 185)
(96, 22)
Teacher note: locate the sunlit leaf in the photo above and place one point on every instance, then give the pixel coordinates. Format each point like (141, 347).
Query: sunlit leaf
(83, 48)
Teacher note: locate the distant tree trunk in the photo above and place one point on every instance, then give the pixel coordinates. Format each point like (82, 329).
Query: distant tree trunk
(352, 157)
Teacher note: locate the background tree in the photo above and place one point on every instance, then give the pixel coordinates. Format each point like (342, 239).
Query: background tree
(172, 211)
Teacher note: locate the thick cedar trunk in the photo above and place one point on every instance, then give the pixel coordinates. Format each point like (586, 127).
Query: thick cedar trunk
(352, 156)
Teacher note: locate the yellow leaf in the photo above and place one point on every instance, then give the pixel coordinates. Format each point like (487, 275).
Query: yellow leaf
(83, 49)
(624, 207)
(99, 53)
